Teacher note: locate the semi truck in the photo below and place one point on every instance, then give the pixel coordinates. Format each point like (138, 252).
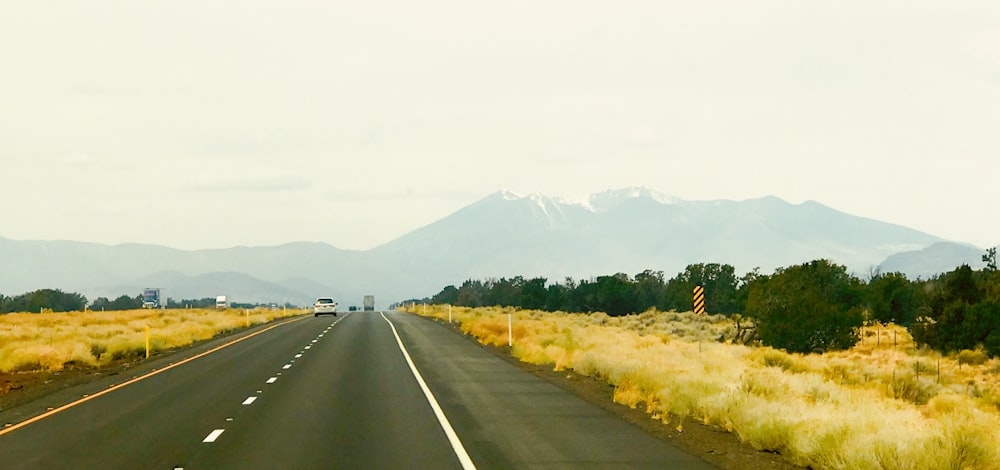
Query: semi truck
(222, 301)
(152, 297)
(369, 303)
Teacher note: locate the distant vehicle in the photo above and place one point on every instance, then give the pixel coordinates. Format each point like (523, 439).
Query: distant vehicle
(323, 306)
(152, 297)
(352, 308)
(222, 302)
(369, 303)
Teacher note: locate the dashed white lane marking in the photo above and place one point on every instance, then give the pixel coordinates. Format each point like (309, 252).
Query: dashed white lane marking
(286, 366)
(315, 340)
(308, 347)
(214, 435)
(456, 443)
(298, 356)
(272, 380)
(249, 400)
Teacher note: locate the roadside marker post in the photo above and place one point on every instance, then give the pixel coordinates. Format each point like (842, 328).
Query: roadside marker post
(699, 300)
(147, 341)
(510, 330)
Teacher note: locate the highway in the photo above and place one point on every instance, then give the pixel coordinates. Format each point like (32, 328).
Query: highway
(329, 392)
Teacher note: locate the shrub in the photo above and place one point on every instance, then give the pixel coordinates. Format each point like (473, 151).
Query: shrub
(977, 357)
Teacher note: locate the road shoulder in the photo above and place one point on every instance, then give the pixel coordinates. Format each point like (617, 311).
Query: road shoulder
(710, 443)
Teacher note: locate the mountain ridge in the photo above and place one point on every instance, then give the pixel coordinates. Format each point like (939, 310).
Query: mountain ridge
(500, 235)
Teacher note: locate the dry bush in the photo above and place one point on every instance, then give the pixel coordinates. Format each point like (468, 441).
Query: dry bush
(976, 358)
(51, 341)
(878, 405)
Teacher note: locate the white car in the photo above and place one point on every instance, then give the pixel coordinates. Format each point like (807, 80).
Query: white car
(323, 306)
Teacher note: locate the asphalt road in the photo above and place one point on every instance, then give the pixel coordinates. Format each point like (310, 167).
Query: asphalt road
(331, 392)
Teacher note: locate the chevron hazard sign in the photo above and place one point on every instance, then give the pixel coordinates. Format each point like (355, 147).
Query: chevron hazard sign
(699, 300)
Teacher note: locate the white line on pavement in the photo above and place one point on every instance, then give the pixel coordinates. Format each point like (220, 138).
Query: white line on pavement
(214, 435)
(456, 443)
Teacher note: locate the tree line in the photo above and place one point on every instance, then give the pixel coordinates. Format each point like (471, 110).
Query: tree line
(617, 294)
(814, 306)
(48, 299)
(55, 300)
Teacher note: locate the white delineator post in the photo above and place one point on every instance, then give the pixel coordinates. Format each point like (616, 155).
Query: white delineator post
(449, 314)
(510, 330)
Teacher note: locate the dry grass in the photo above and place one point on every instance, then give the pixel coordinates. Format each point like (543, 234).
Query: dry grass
(880, 405)
(51, 341)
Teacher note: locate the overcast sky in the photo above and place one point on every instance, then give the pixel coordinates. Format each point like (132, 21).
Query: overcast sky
(210, 123)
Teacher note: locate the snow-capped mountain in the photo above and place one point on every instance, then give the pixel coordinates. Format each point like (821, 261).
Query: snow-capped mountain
(501, 235)
(633, 229)
(610, 199)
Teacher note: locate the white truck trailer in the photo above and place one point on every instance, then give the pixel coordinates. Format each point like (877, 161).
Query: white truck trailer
(369, 303)
(222, 301)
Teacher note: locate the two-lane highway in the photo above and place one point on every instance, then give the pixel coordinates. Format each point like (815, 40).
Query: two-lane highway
(337, 392)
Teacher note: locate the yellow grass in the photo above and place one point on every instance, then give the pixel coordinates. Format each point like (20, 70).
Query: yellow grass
(51, 341)
(882, 404)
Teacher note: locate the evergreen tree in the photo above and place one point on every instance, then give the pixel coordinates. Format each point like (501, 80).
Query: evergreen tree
(808, 307)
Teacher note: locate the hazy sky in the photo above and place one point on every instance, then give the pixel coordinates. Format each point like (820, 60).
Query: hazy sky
(209, 123)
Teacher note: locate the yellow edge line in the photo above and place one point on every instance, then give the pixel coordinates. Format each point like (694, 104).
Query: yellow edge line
(136, 379)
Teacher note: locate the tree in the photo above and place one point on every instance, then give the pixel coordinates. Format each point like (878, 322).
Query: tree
(125, 302)
(960, 314)
(534, 296)
(471, 294)
(52, 299)
(650, 289)
(719, 281)
(809, 307)
(448, 295)
(891, 299)
(583, 298)
(615, 295)
(990, 258)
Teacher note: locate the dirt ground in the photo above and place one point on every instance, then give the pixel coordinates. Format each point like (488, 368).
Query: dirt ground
(19, 388)
(711, 443)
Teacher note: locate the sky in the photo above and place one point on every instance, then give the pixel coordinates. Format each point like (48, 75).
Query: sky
(212, 124)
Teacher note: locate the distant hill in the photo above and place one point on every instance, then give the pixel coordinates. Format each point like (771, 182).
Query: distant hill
(635, 229)
(502, 235)
(938, 258)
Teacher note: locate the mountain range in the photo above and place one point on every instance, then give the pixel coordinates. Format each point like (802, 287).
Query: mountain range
(502, 235)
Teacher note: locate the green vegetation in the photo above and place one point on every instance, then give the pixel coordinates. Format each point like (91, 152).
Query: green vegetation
(962, 311)
(49, 299)
(617, 294)
(815, 306)
(809, 307)
(55, 300)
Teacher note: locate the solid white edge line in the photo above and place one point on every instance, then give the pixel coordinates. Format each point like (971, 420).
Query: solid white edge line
(214, 435)
(456, 443)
